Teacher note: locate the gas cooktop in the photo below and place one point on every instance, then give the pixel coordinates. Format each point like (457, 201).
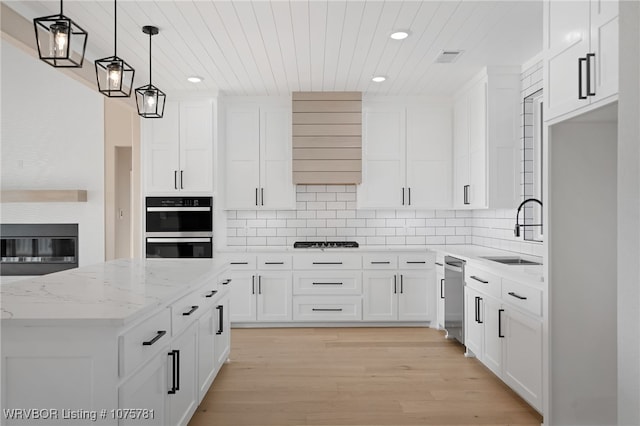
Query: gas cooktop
(325, 244)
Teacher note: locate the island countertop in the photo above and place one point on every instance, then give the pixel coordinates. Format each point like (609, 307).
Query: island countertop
(116, 292)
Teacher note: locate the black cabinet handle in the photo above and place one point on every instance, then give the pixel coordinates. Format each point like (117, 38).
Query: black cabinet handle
(259, 284)
(580, 62)
(401, 283)
(466, 194)
(211, 293)
(239, 263)
(274, 263)
(477, 309)
(155, 339)
(380, 263)
(262, 196)
(517, 296)
(442, 288)
(227, 281)
(253, 284)
(415, 261)
(181, 179)
(403, 196)
(439, 264)
(256, 196)
(175, 371)
(192, 310)
(326, 283)
(220, 309)
(327, 263)
(479, 279)
(589, 56)
(409, 195)
(500, 311)
(326, 309)
(175, 179)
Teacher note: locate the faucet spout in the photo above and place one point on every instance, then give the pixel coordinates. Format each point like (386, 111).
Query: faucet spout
(516, 230)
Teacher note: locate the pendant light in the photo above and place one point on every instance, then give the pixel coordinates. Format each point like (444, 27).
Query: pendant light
(114, 75)
(150, 99)
(61, 42)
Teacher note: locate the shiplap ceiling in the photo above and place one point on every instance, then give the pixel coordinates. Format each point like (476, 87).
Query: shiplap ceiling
(276, 47)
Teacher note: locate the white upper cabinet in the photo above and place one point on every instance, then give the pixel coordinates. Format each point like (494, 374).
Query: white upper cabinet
(486, 141)
(581, 51)
(258, 156)
(179, 148)
(406, 154)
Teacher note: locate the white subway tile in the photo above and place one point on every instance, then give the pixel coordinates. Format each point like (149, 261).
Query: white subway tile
(306, 214)
(454, 222)
(434, 222)
(463, 230)
(344, 232)
(464, 213)
(445, 213)
(455, 239)
(257, 223)
(385, 214)
(301, 188)
(425, 214)
(325, 196)
(412, 240)
(286, 232)
(276, 223)
(376, 241)
(336, 223)
(326, 232)
(346, 196)
(316, 188)
(386, 231)
(350, 188)
(345, 214)
(231, 214)
(415, 223)
(365, 232)
(296, 223)
(286, 214)
(327, 214)
(256, 241)
(266, 232)
(301, 205)
(231, 232)
(365, 214)
(336, 205)
(372, 223)
(235, 223)
(306, 232)
(395, 223)
(406, 214)
(358, 223)
(316, 223)
(246, 214)
(317, 205)
(391, 241)
(266, 214)
(236, 241)
(445, 231)
(405, 231)
(291, 240)
(436, 240)
(425, 231)
(276, 241)
(336, 188)
(306, 196)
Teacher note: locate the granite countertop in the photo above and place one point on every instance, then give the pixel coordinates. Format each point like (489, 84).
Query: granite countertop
(111, 293)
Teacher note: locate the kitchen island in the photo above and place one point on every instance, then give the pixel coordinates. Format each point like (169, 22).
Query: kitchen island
(123, 342)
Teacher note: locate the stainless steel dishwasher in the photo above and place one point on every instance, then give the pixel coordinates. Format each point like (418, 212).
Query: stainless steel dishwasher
(454, 298)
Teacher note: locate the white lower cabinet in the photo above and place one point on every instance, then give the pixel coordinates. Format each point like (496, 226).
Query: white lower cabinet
(261, 296)
(440, 293)
(473, 322)
(222, 338)
(183, 359)
(415, 297)
(206, 348)
(380, 301)
(493, 334)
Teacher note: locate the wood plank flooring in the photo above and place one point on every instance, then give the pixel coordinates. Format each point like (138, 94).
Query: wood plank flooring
(356, 376)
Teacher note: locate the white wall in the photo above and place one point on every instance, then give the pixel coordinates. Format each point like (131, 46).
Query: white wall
(52, 138)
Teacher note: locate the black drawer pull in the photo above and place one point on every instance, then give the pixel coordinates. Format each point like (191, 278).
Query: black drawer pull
(239, 263)
(174, 370)
(327, 283)
(274, 263)
(441, 288)
(327, 263)
(326, 309)
(220, 309)
(479, 279)
(438, 263)
(227, 281)
(415, 261)
(500, 335)
(211, 293)
(517, 296)
(192, 310)
(155, 339)
(380, 263)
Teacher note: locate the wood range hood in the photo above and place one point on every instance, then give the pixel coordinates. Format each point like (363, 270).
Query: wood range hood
(327, 138)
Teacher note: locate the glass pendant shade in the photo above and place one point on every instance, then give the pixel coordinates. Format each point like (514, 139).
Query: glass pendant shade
(114, 75)
(61, 42)
(149, 99)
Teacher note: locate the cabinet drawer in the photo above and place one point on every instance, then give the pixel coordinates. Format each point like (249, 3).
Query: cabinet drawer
(241, 261)
(416, 261)
(327, 308)
(142, 341)
(184, 311)
(483, 281)
(523, 296)
(327, 282)
(327, 261)
(380, 261)
(208, 294)
(274, 262)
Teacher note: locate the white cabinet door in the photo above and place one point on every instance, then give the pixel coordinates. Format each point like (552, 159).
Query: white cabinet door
(182, 404)
(460, 150)
(147, 389)
(243, 296)
(380, 301)
(415, 296)
(162, 138)
(274, 296)
(604, 45)
(429, 153)
(567, 40)
(242, 157)
(206, 358)
(383, 180)
(196, 146)
(440, 297)
(222, 343)
(523, 355)
(493, 330)
(473, 318)
(477, 195)
(277, 190)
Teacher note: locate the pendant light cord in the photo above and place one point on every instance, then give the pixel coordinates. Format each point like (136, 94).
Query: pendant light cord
(61, 11)
(115, 30)
(150, 35)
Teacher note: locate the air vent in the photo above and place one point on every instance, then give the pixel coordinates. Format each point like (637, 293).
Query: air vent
(448, 56)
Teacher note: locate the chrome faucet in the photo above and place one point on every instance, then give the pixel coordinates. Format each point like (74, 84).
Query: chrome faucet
(516, 230)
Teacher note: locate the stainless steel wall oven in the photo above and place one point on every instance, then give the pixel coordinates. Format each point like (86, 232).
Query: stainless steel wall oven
(179, 227)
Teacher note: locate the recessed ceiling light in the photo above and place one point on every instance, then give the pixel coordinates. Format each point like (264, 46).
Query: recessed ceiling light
(379, 78)
(399, 35)
(194, 79)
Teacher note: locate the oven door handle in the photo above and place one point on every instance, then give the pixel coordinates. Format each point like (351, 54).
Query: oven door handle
(178, 240)
(178, 209)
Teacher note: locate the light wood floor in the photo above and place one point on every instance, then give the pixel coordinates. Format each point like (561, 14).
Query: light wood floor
(356, 376)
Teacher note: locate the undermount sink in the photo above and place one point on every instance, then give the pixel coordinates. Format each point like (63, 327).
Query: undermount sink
(507, 260)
